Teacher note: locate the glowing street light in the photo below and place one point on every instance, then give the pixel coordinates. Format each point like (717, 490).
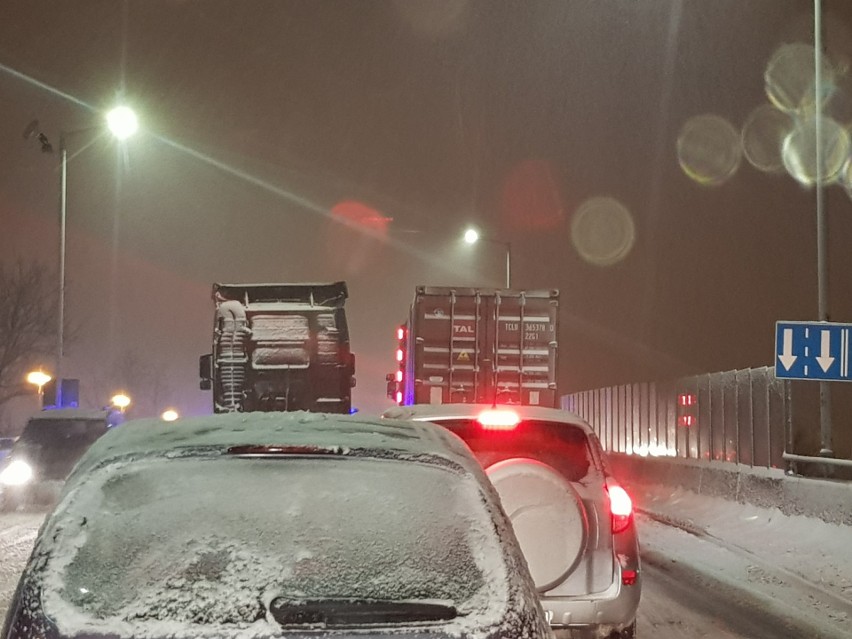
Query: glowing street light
(121, 401)
(39, 378)
(169, 415)
(472, 236)
(122, 123)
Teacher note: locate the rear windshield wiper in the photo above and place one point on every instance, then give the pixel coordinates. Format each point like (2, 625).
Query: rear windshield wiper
(357, 612)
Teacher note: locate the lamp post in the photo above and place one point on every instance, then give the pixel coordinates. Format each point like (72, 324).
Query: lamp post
(472, 236)
(39, 378)
(122, 123)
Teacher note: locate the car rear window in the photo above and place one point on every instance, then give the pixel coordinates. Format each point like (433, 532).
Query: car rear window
(62, 432)
(564, 447)
(213, 542)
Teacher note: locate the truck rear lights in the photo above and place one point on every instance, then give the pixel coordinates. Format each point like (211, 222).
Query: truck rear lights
(399, 376)
(620, 506)
(628, 577)
(498, 419)
(399, 397)
(400, 355)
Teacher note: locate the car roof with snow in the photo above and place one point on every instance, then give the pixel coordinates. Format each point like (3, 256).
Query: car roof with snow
(155, 437)
(71, 413)
(467, 411)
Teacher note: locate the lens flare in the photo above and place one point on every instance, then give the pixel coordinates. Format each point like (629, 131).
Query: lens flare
(800, 156)
(763, 137)
(602, 231)
(709, 149)
(790, 79)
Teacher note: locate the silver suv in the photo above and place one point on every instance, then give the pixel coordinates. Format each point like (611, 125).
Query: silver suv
(573, 520)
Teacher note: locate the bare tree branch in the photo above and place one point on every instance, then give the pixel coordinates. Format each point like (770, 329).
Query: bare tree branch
(28, 316)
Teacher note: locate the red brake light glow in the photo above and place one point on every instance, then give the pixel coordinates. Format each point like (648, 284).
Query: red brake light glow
(399, 355)
(399, 376)
(620, 506)
(399, 397)
(498, 419)
(400, 333)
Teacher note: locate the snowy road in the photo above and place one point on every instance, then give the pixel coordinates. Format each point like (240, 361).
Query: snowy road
(694, 586)
(700, 587)
(17, 533)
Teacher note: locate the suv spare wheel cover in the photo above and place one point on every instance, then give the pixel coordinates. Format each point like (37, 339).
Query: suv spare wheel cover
(547, 515)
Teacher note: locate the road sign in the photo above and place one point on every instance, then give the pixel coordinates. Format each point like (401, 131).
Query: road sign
(813, 350)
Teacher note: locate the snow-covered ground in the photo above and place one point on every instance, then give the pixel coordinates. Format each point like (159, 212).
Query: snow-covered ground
(798, 568)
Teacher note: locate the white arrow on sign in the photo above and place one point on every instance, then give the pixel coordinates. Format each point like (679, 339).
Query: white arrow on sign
(825, 360)
(787, 358)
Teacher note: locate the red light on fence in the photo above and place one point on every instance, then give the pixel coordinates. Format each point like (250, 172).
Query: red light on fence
(687, 399)
(687, 420)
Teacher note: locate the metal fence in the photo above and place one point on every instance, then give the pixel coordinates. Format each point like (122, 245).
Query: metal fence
(741, 416)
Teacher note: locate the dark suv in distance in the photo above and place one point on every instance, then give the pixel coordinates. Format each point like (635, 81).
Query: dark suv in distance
(572, 518)
(50, 445)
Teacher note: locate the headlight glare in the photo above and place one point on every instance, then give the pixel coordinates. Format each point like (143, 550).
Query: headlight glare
(16, 473)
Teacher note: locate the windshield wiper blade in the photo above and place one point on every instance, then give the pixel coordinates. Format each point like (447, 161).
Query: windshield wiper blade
(358, 612)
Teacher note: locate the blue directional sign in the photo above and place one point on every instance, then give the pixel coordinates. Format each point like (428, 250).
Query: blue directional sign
(812, 350)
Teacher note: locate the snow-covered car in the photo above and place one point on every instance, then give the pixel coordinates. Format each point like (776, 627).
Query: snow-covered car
(41, 459)
(277, 525)
(573, 520)
(6, 444)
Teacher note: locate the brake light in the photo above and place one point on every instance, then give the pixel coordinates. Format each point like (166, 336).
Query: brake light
(400, 355)
(628, 577)
(399, 397)
(620, 506)
(498, 419)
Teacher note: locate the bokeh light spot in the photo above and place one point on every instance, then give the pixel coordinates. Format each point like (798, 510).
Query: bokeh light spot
(531, 199)
(789, 78)
(709, 149)
(354, 213)
(763, 137)
(800, 156)
(846, 177)
(602, 231)
(435, 18)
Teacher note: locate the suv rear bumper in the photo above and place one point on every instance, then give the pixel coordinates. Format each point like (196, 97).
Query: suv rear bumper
(615, 607)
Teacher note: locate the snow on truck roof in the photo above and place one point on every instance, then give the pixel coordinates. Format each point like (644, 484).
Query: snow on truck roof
(145, 437)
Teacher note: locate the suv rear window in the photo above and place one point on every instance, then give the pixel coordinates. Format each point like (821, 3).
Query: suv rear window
(562, 446)
(63, 432)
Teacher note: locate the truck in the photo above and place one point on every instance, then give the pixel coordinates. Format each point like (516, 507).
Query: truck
(477, 345)
(279, 347)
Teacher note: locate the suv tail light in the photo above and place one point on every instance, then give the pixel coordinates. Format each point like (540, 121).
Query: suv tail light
(620, 506)
(498, 419)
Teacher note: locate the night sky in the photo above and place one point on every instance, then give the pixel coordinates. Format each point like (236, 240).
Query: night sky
(287, 141)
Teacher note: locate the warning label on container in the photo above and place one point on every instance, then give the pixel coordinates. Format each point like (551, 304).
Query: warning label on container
(464, 356)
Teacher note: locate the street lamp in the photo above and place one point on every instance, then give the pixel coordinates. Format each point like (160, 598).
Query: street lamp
(472, 236)
(121, 401)
(39, 378)
(122, 123)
